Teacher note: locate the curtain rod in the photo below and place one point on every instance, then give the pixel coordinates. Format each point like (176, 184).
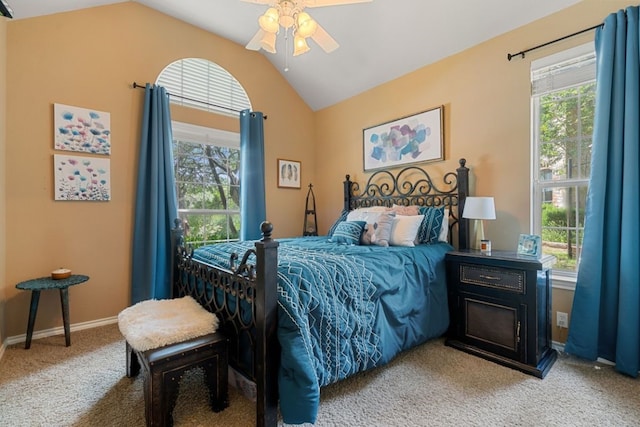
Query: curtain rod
(139, 86)
(521, 53)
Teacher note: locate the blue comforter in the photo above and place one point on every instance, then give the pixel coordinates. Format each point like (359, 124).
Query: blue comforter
(345, 309)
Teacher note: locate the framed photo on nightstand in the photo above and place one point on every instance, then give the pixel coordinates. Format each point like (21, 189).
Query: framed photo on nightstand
(530, 245)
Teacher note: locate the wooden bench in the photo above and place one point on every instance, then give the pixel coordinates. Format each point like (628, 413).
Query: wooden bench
(167, 338)
(164, 367)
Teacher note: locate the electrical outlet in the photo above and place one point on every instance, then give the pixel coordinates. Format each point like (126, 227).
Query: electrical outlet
(562, 319)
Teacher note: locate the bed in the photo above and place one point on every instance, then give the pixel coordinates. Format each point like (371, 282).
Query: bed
(305, 312)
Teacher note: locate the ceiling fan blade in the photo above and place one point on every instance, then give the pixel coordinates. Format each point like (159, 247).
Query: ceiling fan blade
(259, 1)
(311, 3)
(322, 3)
(324, 40)
(254, 43)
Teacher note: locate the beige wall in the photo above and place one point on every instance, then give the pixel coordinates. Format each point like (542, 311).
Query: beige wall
(3, 157)
(486, 102)
(90, 58)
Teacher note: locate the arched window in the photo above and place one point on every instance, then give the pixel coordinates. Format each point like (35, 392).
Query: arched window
(207, 161)
(202, 84)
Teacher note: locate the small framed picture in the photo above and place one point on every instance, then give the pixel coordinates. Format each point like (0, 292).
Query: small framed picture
(530, 245)
(289, 173)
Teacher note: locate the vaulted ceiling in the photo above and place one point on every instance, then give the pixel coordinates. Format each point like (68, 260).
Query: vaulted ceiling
(379, 41)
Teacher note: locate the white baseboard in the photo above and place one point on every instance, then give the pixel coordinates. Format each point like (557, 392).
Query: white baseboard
(57, 331)
(558, 346)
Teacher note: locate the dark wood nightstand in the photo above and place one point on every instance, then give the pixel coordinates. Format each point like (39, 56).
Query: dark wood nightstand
(500, 308)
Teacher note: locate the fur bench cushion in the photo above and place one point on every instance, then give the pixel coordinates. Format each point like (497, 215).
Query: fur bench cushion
(156, 323)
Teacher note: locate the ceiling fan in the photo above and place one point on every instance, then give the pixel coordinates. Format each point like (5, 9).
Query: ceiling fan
(289, 14)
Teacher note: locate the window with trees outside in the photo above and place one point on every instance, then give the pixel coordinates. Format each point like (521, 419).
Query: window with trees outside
(563, 106)
(207, 161)
(207, 171)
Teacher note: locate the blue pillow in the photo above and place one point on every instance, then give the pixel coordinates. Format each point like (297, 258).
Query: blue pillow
(348, 232)
(431, 224)
(342, 217)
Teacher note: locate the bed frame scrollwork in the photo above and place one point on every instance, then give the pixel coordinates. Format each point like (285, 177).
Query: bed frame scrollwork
(414, 186)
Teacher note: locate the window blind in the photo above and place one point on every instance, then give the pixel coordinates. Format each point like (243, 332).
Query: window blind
(209, 86)
(554, 72)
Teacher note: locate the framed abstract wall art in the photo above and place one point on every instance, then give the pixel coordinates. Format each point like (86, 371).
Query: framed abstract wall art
(81, 178)
(413, 139)
(81, 129)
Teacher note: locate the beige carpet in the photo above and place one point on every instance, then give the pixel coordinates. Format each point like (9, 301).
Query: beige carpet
(433, 385)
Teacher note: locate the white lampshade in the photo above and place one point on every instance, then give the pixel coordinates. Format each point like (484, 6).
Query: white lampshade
(479, 208)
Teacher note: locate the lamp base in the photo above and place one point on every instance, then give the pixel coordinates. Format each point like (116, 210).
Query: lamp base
(478, 235)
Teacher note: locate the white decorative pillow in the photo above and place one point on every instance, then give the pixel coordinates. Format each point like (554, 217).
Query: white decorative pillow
(374, 209)
(368, 215)
(444, 228)
(405, 230)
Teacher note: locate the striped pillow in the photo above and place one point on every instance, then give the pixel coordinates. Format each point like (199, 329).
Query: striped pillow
(342, 217)
(348, 233)
(429, 230)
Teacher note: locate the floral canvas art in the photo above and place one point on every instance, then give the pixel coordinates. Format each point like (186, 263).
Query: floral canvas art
(82, 178)
(81, 129)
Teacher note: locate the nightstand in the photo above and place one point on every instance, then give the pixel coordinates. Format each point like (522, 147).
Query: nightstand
(500, 308)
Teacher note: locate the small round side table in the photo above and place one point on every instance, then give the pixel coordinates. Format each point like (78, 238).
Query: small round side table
(44, 283)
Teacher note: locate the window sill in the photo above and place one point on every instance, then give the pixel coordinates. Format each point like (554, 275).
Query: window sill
(561, 280)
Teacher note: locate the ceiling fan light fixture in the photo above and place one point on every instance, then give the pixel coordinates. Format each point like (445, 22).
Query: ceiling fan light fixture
(286, 21)
(270, 20)
(305, 25)
(290, 14)
(300, 45)
(268, 42)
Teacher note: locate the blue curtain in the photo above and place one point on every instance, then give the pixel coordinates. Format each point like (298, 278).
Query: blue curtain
(252, 188)
(156, 202)
(605, 320)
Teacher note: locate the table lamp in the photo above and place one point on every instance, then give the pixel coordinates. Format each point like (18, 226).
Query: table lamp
(479, 208)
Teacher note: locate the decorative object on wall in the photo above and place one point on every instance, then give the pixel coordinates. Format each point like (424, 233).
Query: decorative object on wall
(530, 245)
(412, 139)
(81, 129)
(289, 172)
(81, 178)
(310, 220)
